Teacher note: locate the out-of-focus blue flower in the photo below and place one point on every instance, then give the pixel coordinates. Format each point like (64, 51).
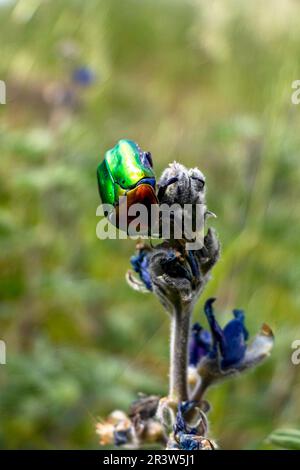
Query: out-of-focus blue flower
(83, 76)
(140, 264)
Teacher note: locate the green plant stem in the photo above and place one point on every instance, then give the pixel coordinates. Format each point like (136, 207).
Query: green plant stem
(180, 328)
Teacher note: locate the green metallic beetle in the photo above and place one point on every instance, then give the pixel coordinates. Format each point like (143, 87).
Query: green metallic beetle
(127, 171)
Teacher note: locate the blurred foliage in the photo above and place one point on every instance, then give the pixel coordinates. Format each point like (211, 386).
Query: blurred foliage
(205, 83)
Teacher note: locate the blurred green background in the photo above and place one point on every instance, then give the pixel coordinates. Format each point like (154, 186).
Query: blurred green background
(207, 83)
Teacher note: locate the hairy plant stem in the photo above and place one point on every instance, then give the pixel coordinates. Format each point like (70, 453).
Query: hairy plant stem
(180, 329)
(200, 390)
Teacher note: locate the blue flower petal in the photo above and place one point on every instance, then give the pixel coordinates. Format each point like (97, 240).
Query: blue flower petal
(193, 263)
(235, 335)
(180, 425)
(188, 442)
(227, 345)
(200, 344)
(216, 330)
(140, 264)
(121, 437)
(231, 341)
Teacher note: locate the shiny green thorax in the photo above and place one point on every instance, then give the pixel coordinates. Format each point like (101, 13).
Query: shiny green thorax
(122, 169)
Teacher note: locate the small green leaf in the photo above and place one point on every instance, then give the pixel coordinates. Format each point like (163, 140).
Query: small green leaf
(286, 438)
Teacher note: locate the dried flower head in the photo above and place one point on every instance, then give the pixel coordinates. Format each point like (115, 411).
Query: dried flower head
(178, 185)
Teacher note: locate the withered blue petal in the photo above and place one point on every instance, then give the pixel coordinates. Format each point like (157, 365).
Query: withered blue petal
(180, 424)
(188, 442)
(216, 330)
(121, 437)
(200, 344)
(140, 264)
(235, 335)
(227, 345)
(193, 263)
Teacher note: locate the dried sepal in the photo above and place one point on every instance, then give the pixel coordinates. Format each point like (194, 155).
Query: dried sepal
(135, 283)
(259, 349)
